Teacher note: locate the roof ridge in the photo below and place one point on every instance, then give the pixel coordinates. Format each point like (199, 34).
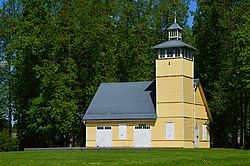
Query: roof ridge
(126, 82)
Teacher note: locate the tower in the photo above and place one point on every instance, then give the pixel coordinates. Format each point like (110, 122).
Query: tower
(174, 87)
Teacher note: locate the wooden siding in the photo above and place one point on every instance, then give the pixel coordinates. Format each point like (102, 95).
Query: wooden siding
(169, 89)
(188, 86)
(169, 109)
(188, 68)
(189, 129)
(168, 67)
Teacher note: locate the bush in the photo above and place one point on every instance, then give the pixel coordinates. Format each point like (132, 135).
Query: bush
(7, 143)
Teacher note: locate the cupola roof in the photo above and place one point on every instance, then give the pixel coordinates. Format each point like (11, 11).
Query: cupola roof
(175, 26)
(173, 44)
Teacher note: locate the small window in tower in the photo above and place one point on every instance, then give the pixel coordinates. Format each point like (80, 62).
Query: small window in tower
(184, 53)
(177, 52)
(173, 53)
(168, 52)
(162, 53)
(191, 55)
(188, 54)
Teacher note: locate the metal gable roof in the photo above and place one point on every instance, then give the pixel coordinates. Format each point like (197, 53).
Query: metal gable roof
(175, 26)
(172, 44)
(123, 101)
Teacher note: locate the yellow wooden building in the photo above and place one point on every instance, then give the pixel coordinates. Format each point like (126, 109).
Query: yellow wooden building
(170, 111)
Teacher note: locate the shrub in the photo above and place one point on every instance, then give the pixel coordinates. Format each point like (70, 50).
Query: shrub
(7, 143)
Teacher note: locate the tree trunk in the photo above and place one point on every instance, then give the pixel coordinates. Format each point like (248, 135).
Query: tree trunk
(241, 120)
(247, 123)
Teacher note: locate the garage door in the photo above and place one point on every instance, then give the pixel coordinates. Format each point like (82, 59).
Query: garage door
(142, 136)
(103, 136)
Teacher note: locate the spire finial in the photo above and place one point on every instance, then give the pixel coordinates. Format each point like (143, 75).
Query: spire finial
(174, 17)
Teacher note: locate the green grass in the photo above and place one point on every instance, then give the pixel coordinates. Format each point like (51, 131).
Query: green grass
(128, 157)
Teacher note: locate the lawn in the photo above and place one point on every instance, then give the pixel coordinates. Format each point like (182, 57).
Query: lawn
(128, 157)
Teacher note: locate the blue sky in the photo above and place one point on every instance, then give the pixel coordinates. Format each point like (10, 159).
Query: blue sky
(1, 1)
(193, 7)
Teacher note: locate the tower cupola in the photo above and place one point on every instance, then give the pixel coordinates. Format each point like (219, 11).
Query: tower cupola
(175, 47)
(175, 31)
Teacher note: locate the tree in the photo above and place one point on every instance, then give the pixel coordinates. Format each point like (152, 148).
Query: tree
(9, 14)
(65, 49)
(222, 48)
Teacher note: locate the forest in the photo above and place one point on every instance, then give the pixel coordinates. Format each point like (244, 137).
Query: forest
(55, 53)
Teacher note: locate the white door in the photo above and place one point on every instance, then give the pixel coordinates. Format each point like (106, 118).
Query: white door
(196, 136)
(142, 136)
(104, 136)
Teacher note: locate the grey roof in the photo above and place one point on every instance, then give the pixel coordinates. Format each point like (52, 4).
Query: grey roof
(173, 43)
(123, 101)
(174, 26)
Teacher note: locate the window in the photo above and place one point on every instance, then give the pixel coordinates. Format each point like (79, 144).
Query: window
(185, 52)
(204, 132)
(122, 132)
(169, 131)
(142, 127)
(170, 52)
(107, 128)
(191, 55)
(138, 127)
(162, 53)
(100, 127)
(173, 52)
(103, 128)
(188, 54)
(177, 52)
(175, 33)
(146, 127)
